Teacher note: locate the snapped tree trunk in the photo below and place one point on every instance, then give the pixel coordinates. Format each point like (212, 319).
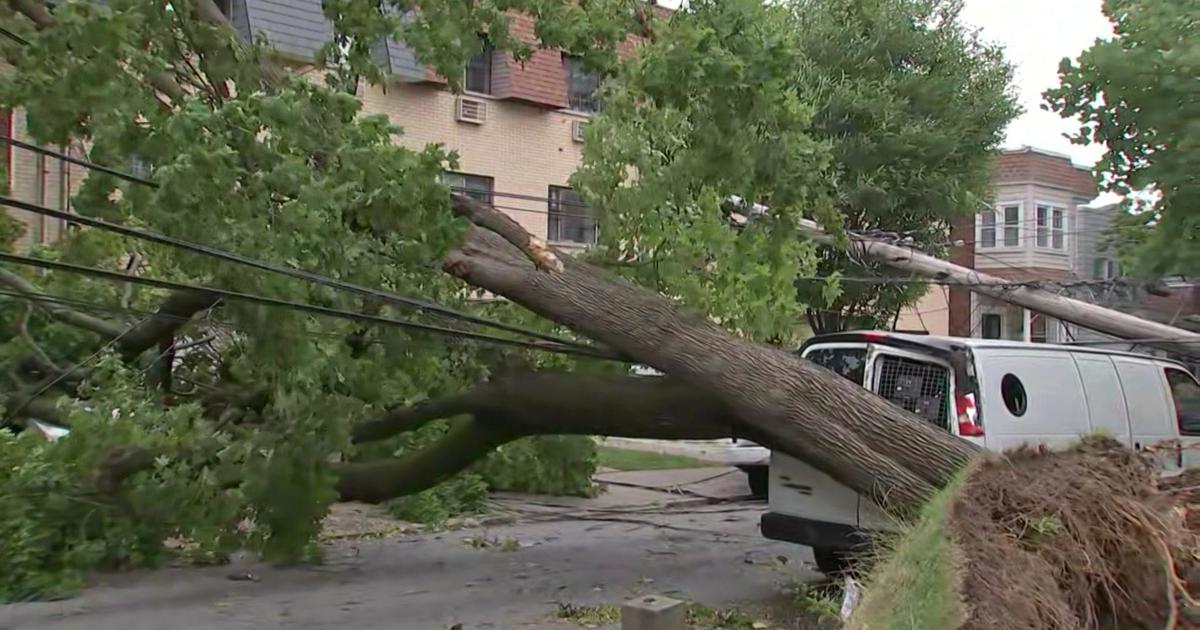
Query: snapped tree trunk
(789, 404)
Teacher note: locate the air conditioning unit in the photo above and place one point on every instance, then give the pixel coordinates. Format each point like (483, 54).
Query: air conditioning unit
(577, 130)
(471, 110)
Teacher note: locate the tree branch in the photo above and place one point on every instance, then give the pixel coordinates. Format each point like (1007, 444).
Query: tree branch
(37, 12)
(174, 313)
(58, 311)
(565, 404)
(802, 410)
(543, 256)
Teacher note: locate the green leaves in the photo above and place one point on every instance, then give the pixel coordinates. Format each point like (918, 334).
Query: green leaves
(862, 114)
(1137, 94)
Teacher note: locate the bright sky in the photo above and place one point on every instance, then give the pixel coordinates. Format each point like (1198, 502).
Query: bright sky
(1037, 34)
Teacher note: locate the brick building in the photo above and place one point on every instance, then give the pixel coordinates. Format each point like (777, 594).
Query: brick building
(34, 178)
(517, 128)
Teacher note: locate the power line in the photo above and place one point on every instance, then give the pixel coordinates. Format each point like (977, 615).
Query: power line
(67, 157)
(392, 297)
(215, 252)
(420, 304)
(96, 307)
(13, 36)
(305, 307)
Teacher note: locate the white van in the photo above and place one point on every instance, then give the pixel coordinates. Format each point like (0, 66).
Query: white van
(997, 394)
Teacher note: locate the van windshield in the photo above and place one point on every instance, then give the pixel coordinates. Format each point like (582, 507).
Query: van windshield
(850, 363)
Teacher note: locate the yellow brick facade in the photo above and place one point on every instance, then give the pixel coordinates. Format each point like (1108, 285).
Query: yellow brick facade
(524, 148)
(46, 181)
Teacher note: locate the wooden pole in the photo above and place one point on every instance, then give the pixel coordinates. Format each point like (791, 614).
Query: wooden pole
(1077, 312)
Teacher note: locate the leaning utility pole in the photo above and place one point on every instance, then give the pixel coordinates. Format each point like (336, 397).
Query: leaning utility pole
(1077, 312)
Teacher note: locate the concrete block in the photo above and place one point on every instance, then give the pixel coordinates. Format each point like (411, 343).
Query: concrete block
(653, 612)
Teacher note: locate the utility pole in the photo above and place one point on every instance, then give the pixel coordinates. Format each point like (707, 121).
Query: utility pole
(1077, 312)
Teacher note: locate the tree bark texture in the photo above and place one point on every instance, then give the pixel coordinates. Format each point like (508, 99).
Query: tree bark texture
(537, 404)
(797, 407)
(499, 412)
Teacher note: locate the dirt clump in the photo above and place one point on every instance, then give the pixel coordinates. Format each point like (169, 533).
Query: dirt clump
(1082, 539)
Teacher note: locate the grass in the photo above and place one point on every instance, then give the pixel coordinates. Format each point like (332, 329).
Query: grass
(699, 617)
(916, 583)
(629, 459)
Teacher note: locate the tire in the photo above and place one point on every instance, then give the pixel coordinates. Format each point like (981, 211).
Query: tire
(759, 479)
(831, 562)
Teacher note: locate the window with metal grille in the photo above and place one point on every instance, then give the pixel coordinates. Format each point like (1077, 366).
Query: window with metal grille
(920, 387)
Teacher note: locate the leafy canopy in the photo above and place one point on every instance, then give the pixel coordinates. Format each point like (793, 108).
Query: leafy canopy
(1138, 94)
(735, 97)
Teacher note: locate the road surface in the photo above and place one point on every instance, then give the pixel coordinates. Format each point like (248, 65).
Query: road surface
(630, 540)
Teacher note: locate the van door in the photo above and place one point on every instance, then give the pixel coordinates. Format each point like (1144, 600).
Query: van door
(1031, 396)
(1151, 413)
(917, 382)
(1185, 394)
(1103, 397)
(797, 489)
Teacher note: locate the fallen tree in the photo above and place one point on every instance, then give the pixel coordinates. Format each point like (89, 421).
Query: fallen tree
(193, 414)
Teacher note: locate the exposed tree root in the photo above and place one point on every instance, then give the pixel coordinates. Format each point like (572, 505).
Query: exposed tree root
(1076, 540)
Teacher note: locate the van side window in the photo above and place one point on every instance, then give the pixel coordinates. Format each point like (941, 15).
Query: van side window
(1186, 395)
(1012, 390)
(850, 363)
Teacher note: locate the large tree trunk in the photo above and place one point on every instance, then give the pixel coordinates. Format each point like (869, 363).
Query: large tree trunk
(536, 404)
(494, 414)
(794, 406)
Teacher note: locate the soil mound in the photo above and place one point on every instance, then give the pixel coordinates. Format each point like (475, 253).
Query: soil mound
(1081, 539)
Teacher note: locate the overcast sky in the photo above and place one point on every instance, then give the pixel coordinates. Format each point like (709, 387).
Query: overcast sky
(1037, 34)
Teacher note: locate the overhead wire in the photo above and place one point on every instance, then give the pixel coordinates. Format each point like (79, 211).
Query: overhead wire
(223, 254)
(97, 307)
(309, 276)
(304, 307)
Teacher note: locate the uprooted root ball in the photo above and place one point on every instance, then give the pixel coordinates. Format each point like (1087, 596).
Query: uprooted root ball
(1074, 540)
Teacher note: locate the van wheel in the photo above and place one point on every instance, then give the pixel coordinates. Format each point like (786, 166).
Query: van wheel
(759, 479)
(831, 562)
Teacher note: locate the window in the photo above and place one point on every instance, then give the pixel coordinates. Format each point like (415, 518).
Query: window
(582, 84)
(1037, 328)
(138, 166)
(987, 228)
(479, 70)
(570, 219)
(918, 386)
(1058, 223)
(1051, 227)
(6, 126)
(850, 363)
(1043, 226)
(1012, 390)
(1104, 269)
(1186, 395)
(477, 187)
(1012, 226)
(64, 182)
(993, 326)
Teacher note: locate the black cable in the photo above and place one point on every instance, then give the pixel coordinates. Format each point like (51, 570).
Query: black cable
(215, 252)
(67, 157)
(96, 307)
(305, 307)
(13, 36)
